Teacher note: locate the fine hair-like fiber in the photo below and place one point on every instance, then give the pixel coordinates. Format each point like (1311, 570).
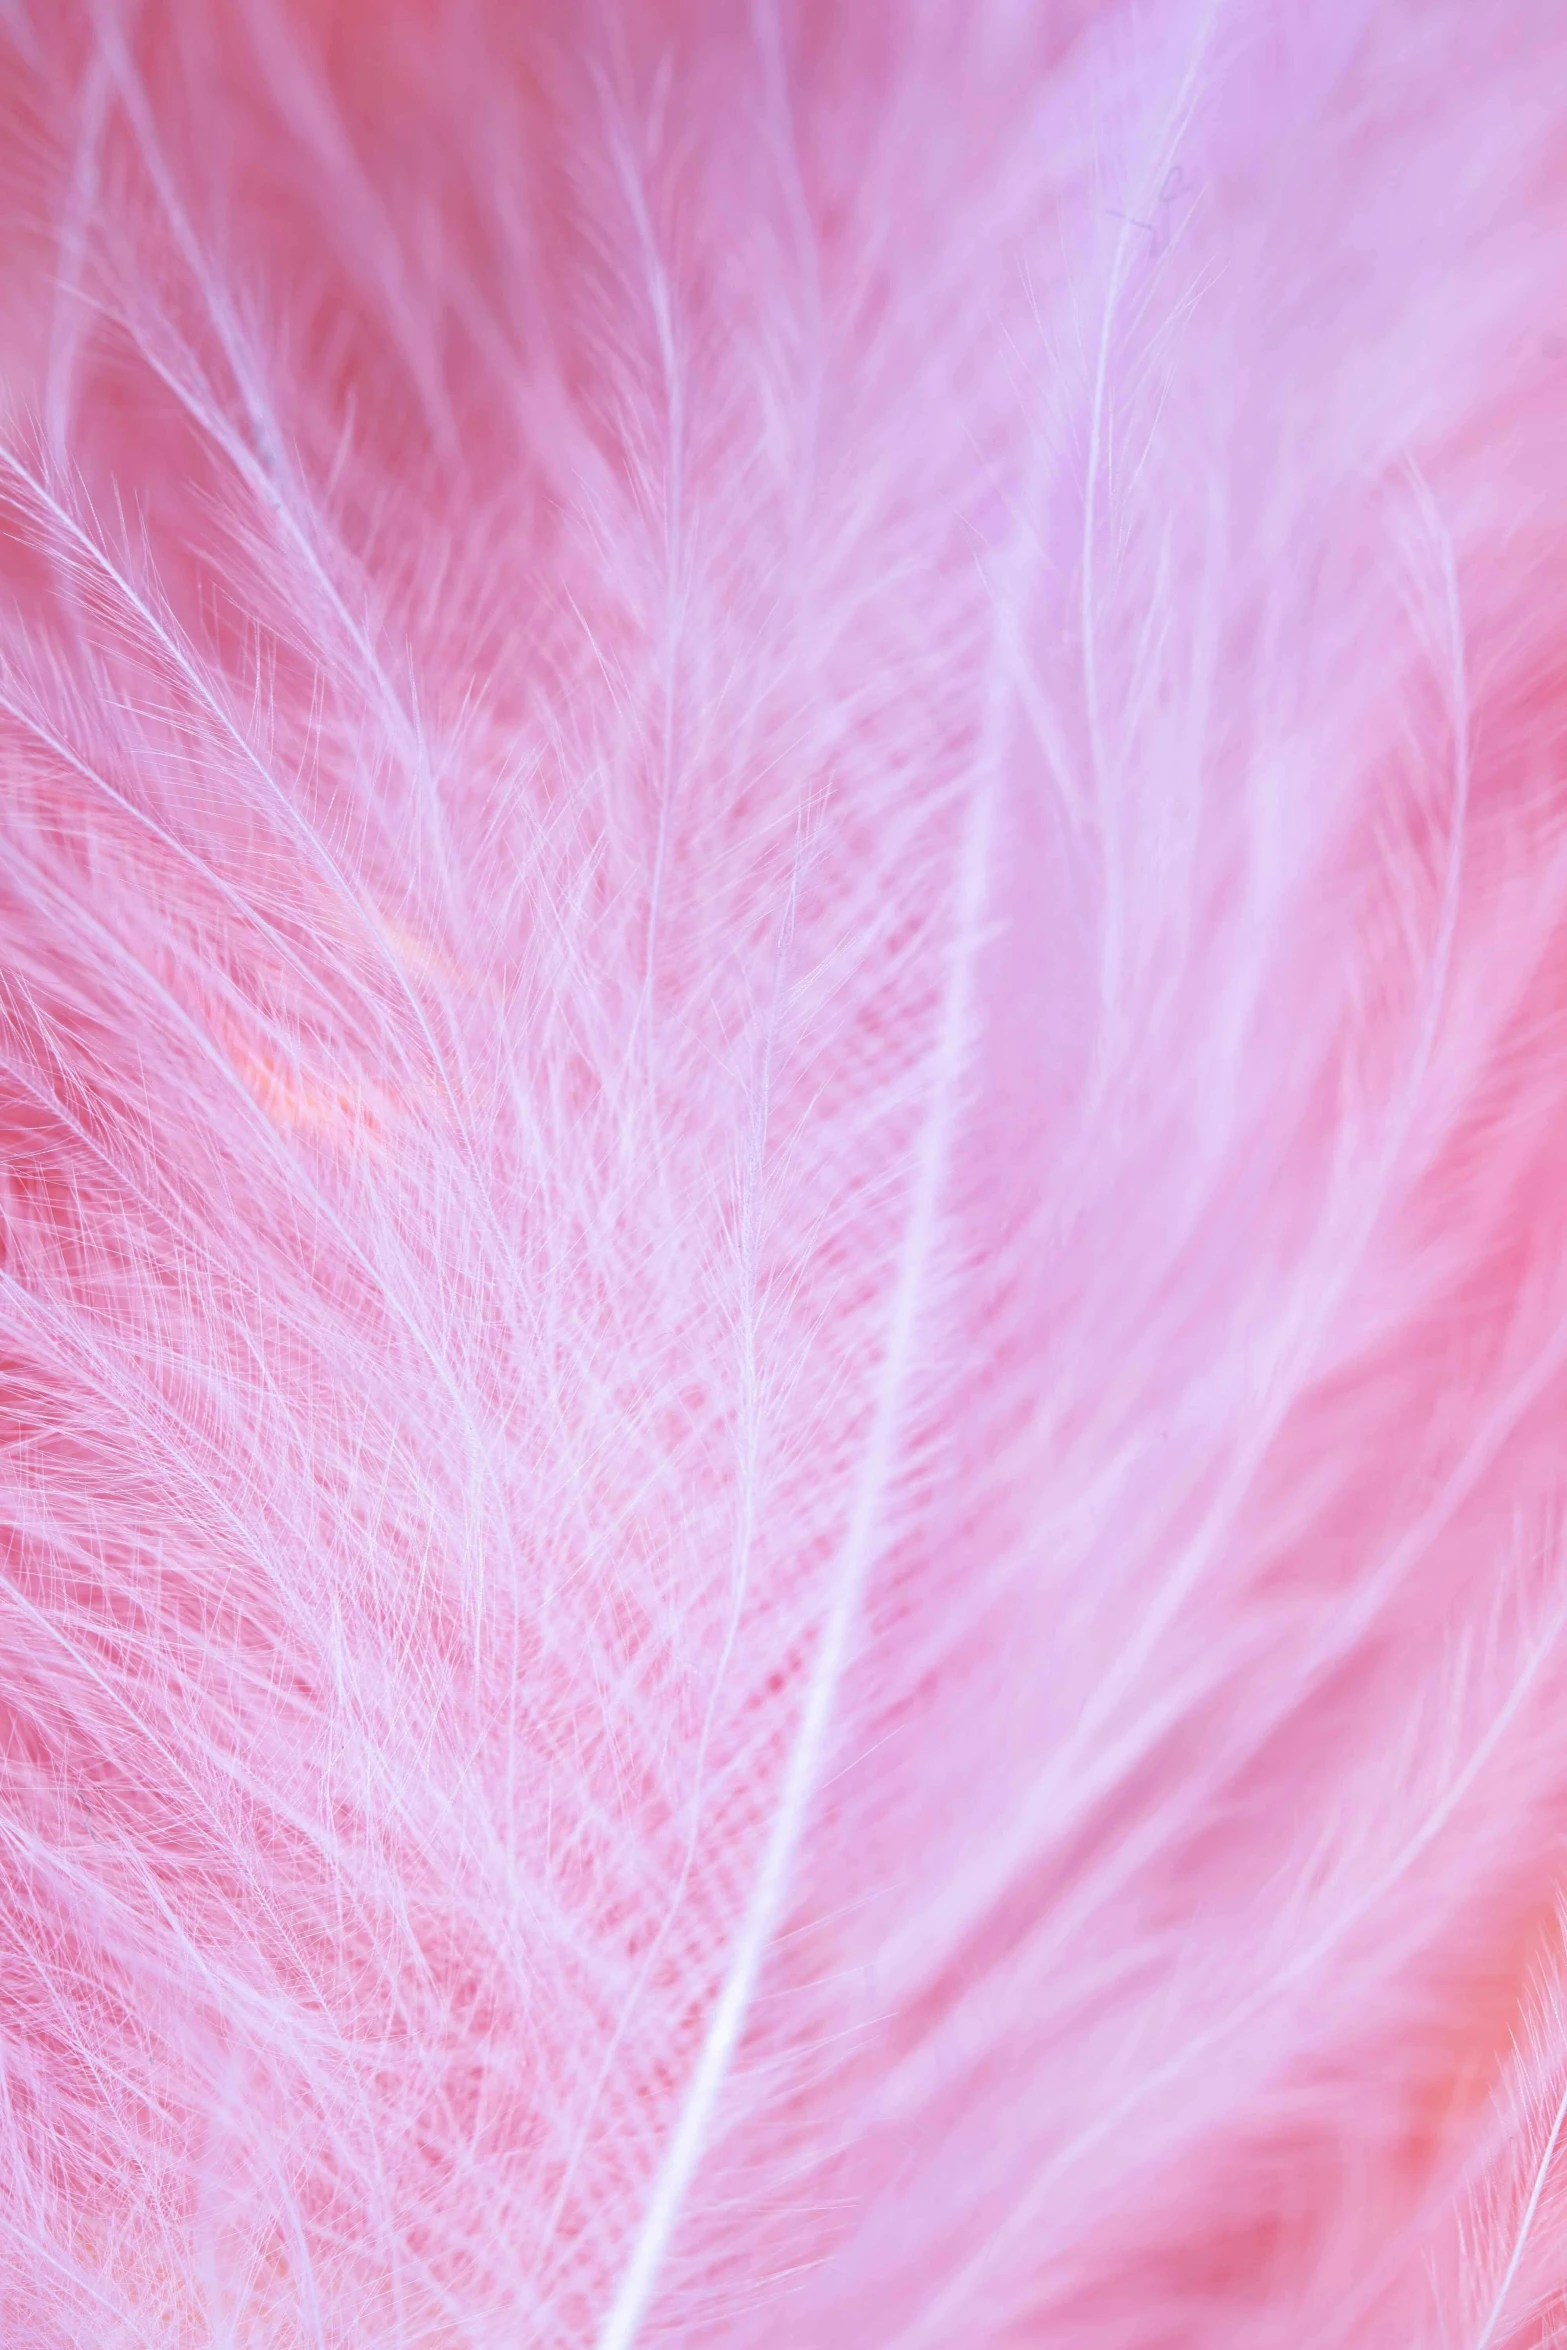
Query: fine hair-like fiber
(783, 1174)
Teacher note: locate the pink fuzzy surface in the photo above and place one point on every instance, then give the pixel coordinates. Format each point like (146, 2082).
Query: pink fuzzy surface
(783, 1175)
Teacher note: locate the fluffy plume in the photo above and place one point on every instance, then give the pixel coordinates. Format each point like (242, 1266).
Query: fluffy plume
(784, 1305)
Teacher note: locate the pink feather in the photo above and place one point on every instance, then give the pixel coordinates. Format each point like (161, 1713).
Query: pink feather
(783, 1326)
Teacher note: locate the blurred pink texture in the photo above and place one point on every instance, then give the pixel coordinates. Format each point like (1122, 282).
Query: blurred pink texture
(783, 1115)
